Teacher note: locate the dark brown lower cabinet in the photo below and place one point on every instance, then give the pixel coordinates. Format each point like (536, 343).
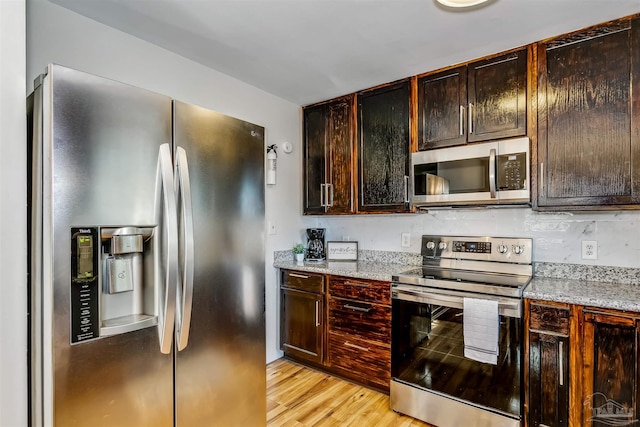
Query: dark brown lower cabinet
(359, 330)
(582, 366)
(549, 380)
(302, 316)
(356, 341)
(548, 391)
(610, 382)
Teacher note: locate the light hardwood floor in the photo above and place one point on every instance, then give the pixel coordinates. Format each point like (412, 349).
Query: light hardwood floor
(302, 397)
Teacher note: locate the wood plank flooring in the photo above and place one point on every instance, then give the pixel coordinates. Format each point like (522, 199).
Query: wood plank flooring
(298, 396)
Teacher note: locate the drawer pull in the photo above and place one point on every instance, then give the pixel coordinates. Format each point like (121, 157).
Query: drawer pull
(348, 344)
(356, 308)
(299, 276)
(362, 285)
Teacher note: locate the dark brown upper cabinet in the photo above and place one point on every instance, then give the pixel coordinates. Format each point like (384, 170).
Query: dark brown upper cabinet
(589, 118)
(384, 148)
(479, 101)
(328, 157)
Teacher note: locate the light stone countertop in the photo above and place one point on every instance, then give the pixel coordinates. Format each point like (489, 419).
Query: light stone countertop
(355, 269)
(616, 288)
(372, 265)
(618, 296)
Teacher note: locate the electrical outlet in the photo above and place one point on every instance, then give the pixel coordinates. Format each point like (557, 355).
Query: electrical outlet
(406, 240)
(589, 249)
(271, 227)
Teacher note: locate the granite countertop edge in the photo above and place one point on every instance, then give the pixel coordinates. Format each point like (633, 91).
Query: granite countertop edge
(615, 288)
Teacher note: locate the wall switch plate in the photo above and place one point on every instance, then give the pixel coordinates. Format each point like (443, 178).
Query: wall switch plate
(406, 240)
(589, 249)
(271, 227)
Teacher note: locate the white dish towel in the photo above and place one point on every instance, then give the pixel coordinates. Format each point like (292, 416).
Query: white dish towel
(481, 322)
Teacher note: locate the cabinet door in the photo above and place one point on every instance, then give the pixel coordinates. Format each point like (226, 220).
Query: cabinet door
(384, 149)
(548, 365)
(301, 324)
(610, 369)
(588, 122)
(548, 380)
(442, 100)
(497, 93)
(340, 155)
(315, 135)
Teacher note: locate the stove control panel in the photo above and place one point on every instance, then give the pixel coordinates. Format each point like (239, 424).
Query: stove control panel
(473, 247)
(504, 249)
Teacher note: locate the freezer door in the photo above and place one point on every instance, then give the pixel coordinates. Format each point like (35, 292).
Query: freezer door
(99, 151)
(220, 374)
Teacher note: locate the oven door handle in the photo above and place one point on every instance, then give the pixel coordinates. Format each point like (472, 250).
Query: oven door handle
(507, 308)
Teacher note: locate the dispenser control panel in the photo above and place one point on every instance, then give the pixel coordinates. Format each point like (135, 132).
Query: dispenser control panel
(85, 247)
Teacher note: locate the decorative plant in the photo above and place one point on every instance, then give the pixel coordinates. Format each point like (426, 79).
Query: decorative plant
(298, 248)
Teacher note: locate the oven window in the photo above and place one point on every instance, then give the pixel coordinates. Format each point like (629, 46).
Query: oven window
(428, 352)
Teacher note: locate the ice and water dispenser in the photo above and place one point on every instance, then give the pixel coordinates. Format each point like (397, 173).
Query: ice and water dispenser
(112, 284)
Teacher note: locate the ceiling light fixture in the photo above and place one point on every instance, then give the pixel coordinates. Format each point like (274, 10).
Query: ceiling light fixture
(460, 3)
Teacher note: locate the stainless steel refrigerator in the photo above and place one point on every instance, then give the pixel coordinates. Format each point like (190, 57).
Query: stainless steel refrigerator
(146, 259)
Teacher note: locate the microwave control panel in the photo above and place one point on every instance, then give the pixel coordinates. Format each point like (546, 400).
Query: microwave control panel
(512, 171)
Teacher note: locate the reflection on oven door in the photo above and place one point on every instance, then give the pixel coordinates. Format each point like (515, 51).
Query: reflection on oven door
(428, 352)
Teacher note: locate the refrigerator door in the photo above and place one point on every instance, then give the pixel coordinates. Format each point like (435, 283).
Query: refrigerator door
(220, 374)
(99, 153)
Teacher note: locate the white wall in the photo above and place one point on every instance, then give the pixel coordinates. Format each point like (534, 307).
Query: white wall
(13, 216)
(55, 34)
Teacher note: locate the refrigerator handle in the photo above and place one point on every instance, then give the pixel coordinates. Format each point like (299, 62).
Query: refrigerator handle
(185, 289)
(166, 270)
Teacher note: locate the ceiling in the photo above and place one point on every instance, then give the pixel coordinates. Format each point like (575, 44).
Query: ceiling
(311, 50)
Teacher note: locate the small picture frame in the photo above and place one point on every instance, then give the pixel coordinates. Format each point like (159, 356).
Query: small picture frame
(342, 251)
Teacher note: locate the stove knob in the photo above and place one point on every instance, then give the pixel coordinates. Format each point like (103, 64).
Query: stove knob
(431, 245)
(502, 249)
(517, 249)
(442, 245)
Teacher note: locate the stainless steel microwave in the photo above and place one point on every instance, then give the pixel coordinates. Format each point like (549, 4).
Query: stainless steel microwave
(491, 173)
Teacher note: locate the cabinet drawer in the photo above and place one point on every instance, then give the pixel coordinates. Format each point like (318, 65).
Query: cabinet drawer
(303, 281)
(362, 320)
(361, 290)
(549, 319)
(360, 360)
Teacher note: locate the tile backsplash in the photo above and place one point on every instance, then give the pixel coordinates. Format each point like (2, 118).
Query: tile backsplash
(557, 236)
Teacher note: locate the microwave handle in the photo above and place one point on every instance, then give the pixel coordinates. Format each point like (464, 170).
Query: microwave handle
(492, 173)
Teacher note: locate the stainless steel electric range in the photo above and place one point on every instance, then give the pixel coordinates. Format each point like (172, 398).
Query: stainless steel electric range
(436, 373)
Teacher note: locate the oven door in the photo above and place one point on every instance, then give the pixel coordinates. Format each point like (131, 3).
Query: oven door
(428, 354)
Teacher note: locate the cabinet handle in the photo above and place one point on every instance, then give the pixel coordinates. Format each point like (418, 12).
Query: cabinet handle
(560, 363)
(348, 344)
(470, 116)
(461, 120)
(406, 189)
(362, 285)
(330, 195)
(322, 195)
(541, 191)
(356, 308)
(317, 319)
(299, 276)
